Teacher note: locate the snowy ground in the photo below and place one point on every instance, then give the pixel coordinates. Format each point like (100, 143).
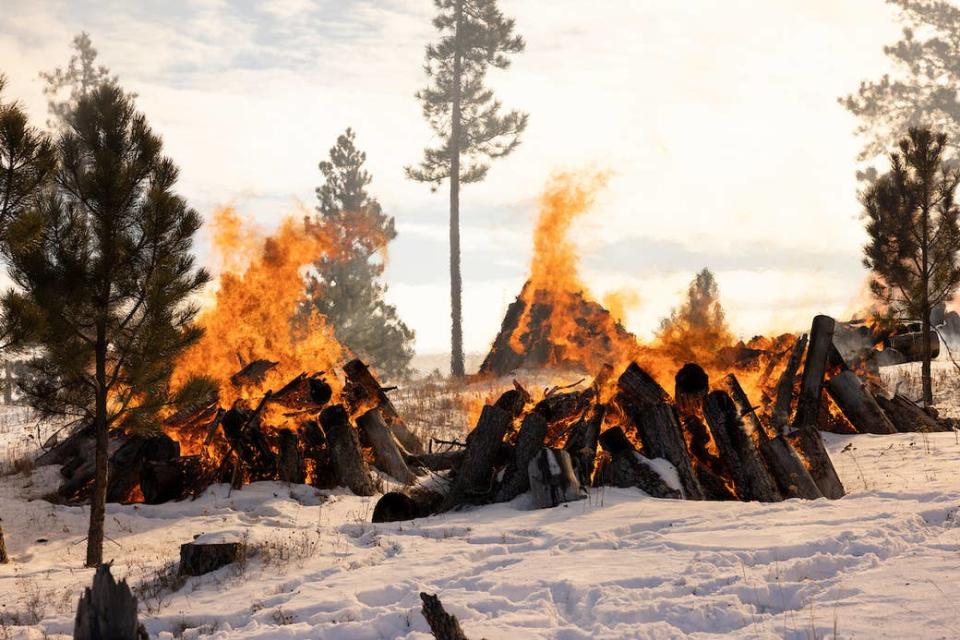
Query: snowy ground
(884, 561)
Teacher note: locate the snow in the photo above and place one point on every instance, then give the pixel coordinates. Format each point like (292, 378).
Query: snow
(883, 562)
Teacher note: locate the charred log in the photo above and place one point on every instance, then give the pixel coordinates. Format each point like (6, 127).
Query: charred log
(781, 408)
(858, 404)
(691, 385)
(350, 468)
(627, 468)
(475, 478)
(793, 479)
(165, 480)
(750, 476)
(253, 373)
(290, 464)
(660, 434)
(552, 478)
(814, 369)
(516, 480)
(367, 387)
(107, 609)
(582, 443)
(397, 506)
(437, 461)
(908, 416)
(197, 559)
(638, 389)
(386, 454)
(443, 626)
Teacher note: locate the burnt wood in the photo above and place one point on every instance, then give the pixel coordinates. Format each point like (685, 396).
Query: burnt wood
(363, 380)
(165, 480)
(750, 476)
(474, 482)
(349, 466)
(290, 464)
(637, 388)
(908, 416)
(582, 443)
(516, 480)
(660, 434)
(627, 468)
(814, 368)
(691, 385)
(443, 626)
(107, 610)
(858, 404)
(793, 478)
(386, 454)
(552, 478)
(784, 400)
(397, 506)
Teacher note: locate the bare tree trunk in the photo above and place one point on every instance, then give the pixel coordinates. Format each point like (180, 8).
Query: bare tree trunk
(456, 284)
(98, 501)
(4, 558)
(925, 373)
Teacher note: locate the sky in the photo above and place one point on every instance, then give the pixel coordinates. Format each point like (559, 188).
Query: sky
(718, 120)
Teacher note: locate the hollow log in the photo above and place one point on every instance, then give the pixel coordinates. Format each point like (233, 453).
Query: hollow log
(359, 374)
(660, 434)
(781, 407)
(107, 610)
(814, 368)
(443, 626)
(637, 388)
(197, 559)
(627, 468)
(858, 404)
(793, 479)
(750, 476)
(386, 454)
(475, 478)
(908, 416)
(516, 480)
(4, 558)
(397, 506)
(691, 385)
(349, 466)
(290, 464)
(552, 478)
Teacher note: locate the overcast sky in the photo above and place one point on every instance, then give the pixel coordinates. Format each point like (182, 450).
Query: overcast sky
(718, 118)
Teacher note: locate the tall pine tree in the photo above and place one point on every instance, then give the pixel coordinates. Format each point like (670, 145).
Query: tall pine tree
(346, 287)
(697, 328)
(913, 234)
(65, 86)
(103, 264)
(474, 36)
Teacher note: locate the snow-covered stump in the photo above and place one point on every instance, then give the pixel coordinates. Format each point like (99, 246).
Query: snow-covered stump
(107, 610)
(208, 553)
(552, 478)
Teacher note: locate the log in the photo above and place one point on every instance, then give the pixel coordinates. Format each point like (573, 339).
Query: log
(397, 506)
(107, 610)
(745, 408)
(810, 445)
(474, 481)
(908, 416)
(561, 406)
(4, 558)
(242, 430)
(781, 407)
(627, 468)
(552, 478)
(253, 373)
(637, 388)
(359, 374)
(714, 486)
(443, 625)
(349, 466)
(165, 480)
(582, 443)
(516, 479)
(290, 464)
(750, 476)
(127, 461)
(69, 449)
(814, 368)
(858, 404)
(197, 559)
(698, 440)
(660, 434)
(793, 479)
(512, 401)
(691, 385)
(386, 454)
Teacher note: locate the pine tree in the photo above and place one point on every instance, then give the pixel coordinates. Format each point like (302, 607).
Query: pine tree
(922, 89)
(698, 328)
(81, 77)
(346, 287)
(103, 263)
(913, 234)
(474, 36)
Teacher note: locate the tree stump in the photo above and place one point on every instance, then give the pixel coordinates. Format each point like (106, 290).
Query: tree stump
(198, 558)
(107, 610)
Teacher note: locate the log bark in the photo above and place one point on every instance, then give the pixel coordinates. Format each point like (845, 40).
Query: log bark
(349, 466)
(582, 443)
(242, 430)
(814, 368)
(127, 462)
(637, 388)
(627, 468)
(858, 404)
(747, 411)
(714, 486)
(516, 480)
(359, 374)
(908, 416)
(781, 407)
(474, 481)
(386, 454)
(810, 445)
(165, 480)
(443, 625)
(561, 406)
(552, 478)
(107, 610)
(290, 465)
(691, 385)
(660, 434)
(750, 476)
(793, 479)
(198, 559)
